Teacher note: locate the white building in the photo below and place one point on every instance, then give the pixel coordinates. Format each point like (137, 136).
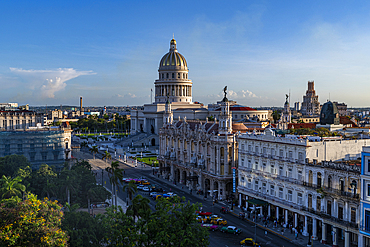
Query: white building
(301, 186)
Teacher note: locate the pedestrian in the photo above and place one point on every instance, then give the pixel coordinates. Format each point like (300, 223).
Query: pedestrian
(282, 231)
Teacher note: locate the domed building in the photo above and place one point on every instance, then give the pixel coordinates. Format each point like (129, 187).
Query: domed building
(173, 78)
(329, 117)
(173, 99)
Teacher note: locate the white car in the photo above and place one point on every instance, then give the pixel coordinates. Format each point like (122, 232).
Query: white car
(153, 193)
(146, 188)
(171, 194)
(140, 187)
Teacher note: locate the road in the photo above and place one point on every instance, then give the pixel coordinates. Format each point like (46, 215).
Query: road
(216, 238)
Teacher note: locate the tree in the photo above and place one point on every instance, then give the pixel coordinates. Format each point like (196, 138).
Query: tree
(11, 187)
(139, 207)
(276, 115)
(31, 222)
(43, 180)
(115, 176)
(131, 189)
(106, 156)
(94, 150)
(10, 164)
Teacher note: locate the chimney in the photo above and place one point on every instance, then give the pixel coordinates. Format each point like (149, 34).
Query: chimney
(81, 105)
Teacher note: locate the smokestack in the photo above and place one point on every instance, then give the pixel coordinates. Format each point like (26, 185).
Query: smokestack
(81, 105)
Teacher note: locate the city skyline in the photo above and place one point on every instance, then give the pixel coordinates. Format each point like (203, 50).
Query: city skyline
(53, 53)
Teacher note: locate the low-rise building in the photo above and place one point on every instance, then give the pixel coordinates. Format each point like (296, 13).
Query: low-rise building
(364, 237)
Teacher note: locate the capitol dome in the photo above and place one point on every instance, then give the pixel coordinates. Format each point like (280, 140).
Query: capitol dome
(172, 58)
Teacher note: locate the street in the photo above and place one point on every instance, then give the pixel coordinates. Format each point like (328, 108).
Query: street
(217, 238)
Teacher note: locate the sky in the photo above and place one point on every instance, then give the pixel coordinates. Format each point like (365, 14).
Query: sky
(108, 52)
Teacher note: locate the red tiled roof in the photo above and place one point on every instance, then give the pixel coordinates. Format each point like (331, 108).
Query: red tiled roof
(301, 125)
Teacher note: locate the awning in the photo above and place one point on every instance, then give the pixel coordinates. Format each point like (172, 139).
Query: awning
(257, 202)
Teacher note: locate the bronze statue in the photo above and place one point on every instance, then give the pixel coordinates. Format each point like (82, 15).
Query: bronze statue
(225, 89)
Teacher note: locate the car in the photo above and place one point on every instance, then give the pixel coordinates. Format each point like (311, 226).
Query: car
(218, 221)
(210, 227)
(231, 229)
(202, 213)
(248, 242)
(157, 196)
(153, 193)
(146, 188)
(140, 187)
(145, 182)
(201, 219)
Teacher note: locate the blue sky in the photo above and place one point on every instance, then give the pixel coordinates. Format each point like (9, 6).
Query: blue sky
(53, 52)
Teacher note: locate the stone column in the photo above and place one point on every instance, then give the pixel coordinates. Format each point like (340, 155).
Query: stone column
(314, 228)
(360, 240)
(286, 217)
(295, 220)
(261, 211)
(346, 213)
(246, 203)
(347, 239)
(277, 212)
(240, 200)
(211, 187)
(323, 233)
(269, 210)
(335, 237)
(305, 233)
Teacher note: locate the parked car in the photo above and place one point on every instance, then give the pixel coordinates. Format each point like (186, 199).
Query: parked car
(145, 182)
(153, 193)
(248, 242)
(140, 187)
(210, 227)
(146, 189)
(231, 229)
(202, 213)
(201, 219)
(218, 221)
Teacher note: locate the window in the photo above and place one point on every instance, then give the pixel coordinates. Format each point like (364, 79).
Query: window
(299, 175)
(329, 182)
(272, 152)
(173, 75)
(257, 150)
(263, 187)
(290, 155)
(256, 166)
(353, 215)
(340, 212)
(249, 164)
(290, 172)
(368, 189)
(249, 184)
(20, 149)
(249, 148)
(167, 76)
(290, 195)
(272, 169)
(299, 198)
(255, 185)
(272, 190)
(264, 150)
(281, 153)
(242, 164)
(242, 147)
(300, 156)
(281, 192)
(367, 220)
(263, 166)
(281, 170)
(368, 165)
(178, 75)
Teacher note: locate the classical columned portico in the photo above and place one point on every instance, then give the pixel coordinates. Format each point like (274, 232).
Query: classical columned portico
(335, 236)
(324, 233)
(314, 228)
(305, 228)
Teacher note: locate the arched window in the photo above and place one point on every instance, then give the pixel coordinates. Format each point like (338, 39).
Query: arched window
(318, 182)
(329, 182)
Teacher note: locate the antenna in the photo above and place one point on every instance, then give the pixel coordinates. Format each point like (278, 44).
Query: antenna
(151, 96)
(173, 35)
(289, 97)
(329, 96)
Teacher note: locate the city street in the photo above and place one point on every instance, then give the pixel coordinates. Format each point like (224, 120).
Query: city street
(216, 238)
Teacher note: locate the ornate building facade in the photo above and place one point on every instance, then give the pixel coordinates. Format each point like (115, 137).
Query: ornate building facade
(321, 198)
(201, 154)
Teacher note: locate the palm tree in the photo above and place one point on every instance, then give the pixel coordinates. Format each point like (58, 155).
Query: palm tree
(131, 189)
(140, 207)
(94, 150)
(115, 177)
(106, 156)
(11, 187)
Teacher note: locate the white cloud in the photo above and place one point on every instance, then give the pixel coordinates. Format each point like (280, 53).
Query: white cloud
(46, 83)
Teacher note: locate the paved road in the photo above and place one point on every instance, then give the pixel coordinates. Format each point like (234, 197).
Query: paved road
(216, 238)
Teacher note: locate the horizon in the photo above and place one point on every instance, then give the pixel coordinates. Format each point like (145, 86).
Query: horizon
(108, 52)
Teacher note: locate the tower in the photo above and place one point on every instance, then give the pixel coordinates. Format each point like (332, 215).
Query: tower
(225, 121)
(173, 78)
(168, 115)
(310, 104)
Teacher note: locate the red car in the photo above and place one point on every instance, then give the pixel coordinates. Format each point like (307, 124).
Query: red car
(202, 213)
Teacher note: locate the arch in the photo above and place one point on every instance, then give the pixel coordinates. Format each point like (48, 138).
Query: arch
(341, 184)
(184, 177)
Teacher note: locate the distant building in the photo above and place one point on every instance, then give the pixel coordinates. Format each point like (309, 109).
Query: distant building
(40, 145)
(342, 108)
(16, 119)
(310, 104)
(297, 106)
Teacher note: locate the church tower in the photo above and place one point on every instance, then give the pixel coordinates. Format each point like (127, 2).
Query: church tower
(225, 121)
(286, 115)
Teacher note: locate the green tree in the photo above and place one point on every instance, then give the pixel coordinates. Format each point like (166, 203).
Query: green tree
(106, 156)
(131, 189)
(43, 180)
(94, 150)
(115, 177)
(139, 207)
(276, 115)
(10, 164)
(11, 187)
(31, 222)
